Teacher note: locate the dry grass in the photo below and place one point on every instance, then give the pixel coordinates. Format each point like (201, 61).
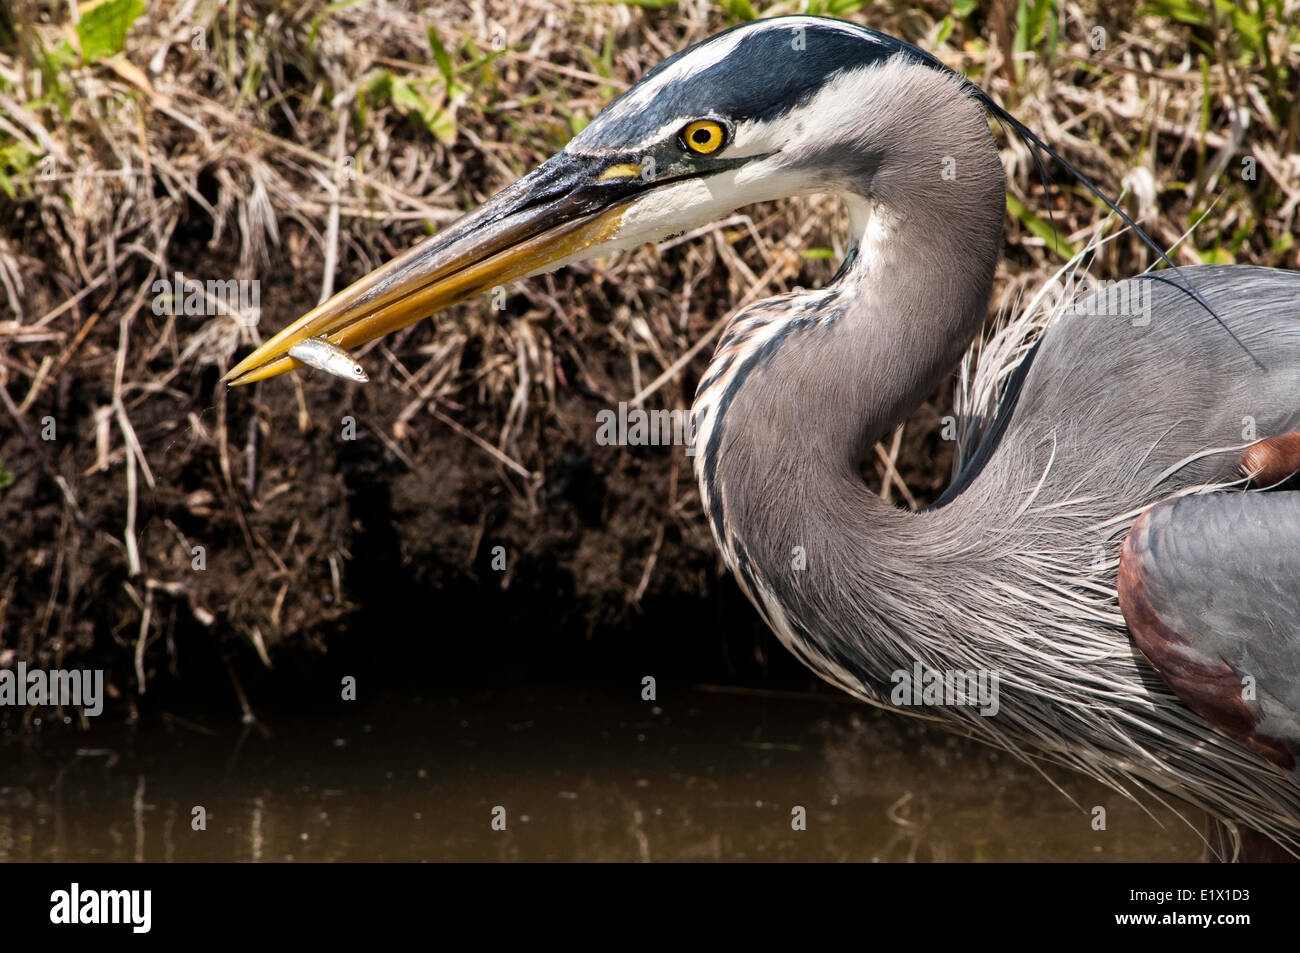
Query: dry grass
(303, 145)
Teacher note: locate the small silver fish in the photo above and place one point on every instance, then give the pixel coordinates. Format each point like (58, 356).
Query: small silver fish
(320, 353)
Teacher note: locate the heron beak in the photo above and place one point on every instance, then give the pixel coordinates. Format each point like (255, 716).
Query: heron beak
(553, 215)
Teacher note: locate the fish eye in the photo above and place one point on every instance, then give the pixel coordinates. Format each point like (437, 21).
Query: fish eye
(357, 369)
(703, 136)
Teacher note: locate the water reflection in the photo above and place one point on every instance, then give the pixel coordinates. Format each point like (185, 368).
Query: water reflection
(580, 776)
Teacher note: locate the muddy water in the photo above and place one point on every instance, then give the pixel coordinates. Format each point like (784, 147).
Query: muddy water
(581, 775)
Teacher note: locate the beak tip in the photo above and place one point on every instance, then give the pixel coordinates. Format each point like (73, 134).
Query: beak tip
(232, 376)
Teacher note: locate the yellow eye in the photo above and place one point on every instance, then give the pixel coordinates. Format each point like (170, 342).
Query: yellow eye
(703, 136)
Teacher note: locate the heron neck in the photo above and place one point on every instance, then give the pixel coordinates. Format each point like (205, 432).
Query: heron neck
(802, 386)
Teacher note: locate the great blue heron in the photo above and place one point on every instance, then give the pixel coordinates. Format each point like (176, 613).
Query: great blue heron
(1110, 422)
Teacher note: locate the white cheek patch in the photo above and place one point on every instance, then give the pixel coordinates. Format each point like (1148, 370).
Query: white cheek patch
(753, 139)
(685, 205)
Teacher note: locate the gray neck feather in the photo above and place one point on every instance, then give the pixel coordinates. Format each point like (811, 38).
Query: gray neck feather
(812, 397)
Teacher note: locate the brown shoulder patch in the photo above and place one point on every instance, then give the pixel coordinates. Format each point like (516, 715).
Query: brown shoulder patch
(1273, 460)
(1208, 687)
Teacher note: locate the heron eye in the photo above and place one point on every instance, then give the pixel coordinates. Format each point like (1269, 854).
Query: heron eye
(703, 136)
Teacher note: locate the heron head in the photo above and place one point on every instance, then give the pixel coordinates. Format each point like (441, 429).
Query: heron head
(762, 111)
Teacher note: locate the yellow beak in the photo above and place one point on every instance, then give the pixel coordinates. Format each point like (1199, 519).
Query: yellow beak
(549, 216)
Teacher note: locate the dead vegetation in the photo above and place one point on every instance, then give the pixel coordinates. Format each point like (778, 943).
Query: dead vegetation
(147, 509)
